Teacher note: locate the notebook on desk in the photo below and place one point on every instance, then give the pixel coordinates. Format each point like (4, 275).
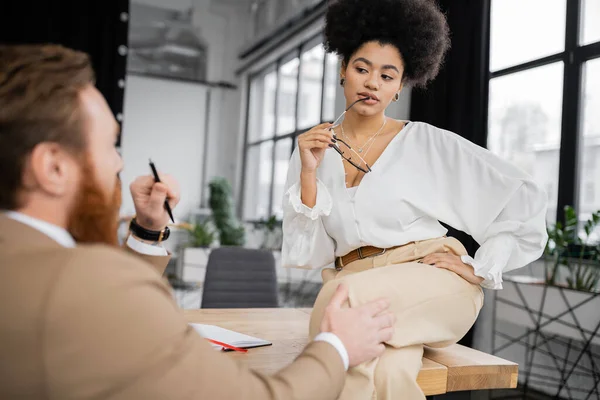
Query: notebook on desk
(230, 337)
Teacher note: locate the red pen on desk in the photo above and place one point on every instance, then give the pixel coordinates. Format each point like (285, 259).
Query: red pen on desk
(227, 346)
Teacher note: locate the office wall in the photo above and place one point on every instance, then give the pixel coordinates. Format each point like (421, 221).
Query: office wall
(164, 120)
(152, 106)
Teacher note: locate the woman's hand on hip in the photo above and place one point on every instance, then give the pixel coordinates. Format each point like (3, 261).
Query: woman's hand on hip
(453, 263)
(312, 146)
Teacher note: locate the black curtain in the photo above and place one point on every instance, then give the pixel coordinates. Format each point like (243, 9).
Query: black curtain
(457, 99)
(99, 28)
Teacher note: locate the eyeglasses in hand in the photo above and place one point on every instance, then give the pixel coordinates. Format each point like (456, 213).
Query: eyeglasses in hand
(347, 152)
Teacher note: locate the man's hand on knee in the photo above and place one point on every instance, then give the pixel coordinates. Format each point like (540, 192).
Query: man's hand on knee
(362, 329)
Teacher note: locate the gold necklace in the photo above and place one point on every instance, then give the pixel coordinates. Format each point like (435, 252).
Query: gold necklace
(370, 139)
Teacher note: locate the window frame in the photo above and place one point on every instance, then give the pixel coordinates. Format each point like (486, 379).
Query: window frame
(299, 50)
(574, 58)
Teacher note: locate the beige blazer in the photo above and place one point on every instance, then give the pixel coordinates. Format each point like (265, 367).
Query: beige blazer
(95, 322)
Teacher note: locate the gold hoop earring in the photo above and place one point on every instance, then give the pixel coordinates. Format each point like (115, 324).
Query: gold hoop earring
(396, 97)
(342, 81)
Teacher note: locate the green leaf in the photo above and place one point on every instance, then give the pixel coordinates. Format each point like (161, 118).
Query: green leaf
(202, 235)
(231, 231)
(570, 216)
(589, 281)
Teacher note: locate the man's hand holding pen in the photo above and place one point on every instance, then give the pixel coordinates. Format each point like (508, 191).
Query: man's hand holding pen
(149, 199)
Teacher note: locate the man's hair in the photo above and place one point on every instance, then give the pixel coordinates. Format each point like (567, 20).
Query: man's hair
(39, 102)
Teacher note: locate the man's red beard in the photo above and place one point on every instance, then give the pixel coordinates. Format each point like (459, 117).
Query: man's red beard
(95, 217)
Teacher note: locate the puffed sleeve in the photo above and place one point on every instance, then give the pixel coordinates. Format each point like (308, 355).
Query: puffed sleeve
(306, 243)
(499, 205)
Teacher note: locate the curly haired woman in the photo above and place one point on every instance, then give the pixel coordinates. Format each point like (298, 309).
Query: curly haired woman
(370, 211)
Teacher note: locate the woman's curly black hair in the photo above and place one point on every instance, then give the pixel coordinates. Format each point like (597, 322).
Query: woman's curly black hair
(417, 28)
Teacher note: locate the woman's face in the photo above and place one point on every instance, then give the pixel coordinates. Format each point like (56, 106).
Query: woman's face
(376, 71)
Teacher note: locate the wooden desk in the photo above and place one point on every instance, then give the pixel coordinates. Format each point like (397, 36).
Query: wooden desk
(451, 369)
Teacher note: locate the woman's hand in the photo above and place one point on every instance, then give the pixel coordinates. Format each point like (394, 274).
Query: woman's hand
(312, 145)
(453, 263)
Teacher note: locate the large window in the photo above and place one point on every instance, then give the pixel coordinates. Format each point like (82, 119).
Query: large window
(544, 96)
(590, 28)
(288, 98)
(589, 188)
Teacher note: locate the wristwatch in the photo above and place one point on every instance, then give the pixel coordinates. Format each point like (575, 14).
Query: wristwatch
(146, 234)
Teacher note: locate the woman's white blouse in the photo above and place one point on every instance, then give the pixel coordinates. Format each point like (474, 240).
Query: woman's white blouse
(424, 176)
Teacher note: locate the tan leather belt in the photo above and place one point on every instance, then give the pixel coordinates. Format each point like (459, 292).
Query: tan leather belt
(359, 254)
(365, 252)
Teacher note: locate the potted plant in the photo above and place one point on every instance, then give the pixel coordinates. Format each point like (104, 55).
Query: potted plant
(230, 230)
(272, 234)
(557, 314)
(197, 250)
(567, 251)
(201, 234)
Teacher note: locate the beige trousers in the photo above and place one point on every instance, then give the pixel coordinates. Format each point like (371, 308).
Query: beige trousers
(433, 307)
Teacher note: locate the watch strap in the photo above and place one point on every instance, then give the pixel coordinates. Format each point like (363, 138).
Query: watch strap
(146, 234)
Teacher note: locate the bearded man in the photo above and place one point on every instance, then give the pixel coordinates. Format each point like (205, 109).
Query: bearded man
(82, 318)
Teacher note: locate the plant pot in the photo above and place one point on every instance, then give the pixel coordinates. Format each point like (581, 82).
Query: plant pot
(195, 260)
(572, 272)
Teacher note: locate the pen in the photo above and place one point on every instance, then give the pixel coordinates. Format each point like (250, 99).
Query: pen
(157, 179)
(227, 346)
